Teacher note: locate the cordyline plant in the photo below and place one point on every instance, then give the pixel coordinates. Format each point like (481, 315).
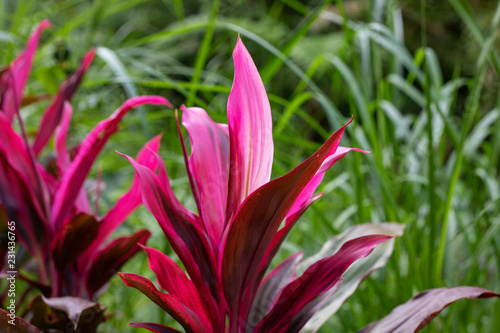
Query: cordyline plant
(243, 219)
(53, 217)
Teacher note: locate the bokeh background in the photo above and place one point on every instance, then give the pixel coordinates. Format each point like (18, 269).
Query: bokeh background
(421, 79)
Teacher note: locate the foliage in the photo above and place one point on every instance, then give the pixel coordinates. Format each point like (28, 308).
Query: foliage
(46, 204)
(320, 64)
(228, 247)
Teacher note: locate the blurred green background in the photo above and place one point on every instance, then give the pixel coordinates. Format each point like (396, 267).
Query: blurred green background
(392, 64)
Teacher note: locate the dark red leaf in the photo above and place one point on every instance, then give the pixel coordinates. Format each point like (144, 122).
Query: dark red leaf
(422, 308)
(109, 260)
(20, 207)
(91, 146)
(174, 280)
(311, 309)
(270, 289)
(255, 224)
(280, 236)
(182, 228)
(20, 325)
(14, 80)
(316, 280)
(73, 239)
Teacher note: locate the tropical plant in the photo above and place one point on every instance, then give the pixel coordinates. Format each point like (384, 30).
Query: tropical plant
(243, 220)
(54, 219)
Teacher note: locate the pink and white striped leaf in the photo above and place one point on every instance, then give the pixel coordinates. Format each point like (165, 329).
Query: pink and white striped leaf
(250, 131)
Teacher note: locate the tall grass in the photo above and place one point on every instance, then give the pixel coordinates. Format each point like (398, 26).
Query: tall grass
(434, 136)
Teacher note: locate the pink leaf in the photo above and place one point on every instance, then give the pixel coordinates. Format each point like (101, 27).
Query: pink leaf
(15, 151)
(173, 279)
(132, 199)
(63, 158)
(182, 231)
(250, 131)
(308, 191)
(157, 328)
(191, 321)
(13, 82)
(91, 146)
(54, 113)
(209, 164)
(21, 206)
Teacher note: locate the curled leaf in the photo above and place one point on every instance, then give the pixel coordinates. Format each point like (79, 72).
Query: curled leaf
(422, 308)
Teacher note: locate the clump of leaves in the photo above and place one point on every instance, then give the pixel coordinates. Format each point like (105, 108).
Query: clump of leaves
(54, 220)
(243, 218)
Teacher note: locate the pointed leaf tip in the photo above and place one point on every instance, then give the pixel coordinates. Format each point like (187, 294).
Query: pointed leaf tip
(250, 131)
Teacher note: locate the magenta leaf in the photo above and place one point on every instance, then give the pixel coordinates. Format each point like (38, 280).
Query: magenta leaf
(250, 131)
(256, 223)
(130, 200)
(304, 199)
(91, 146)
(54, 113)
(14, 80)
(108, 261)
(316, 280)
(209, 164)
(19, 206)
(157, 328)
(190, 320)
(354, 275)
(422, 308)
(60, 133)
(16, 152)
(174, 280)
(181, 227)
